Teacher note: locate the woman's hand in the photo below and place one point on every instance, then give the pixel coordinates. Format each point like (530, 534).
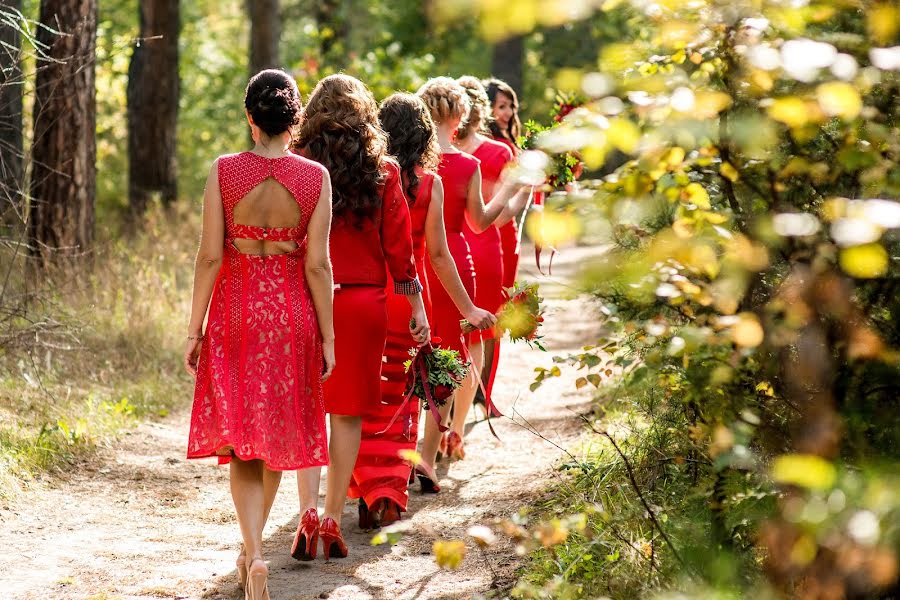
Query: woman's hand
(328, 359)
(480, 318)
(192, 353)
(419, 328)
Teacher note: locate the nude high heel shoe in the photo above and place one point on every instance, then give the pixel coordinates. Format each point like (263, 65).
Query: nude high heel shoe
(257, 580)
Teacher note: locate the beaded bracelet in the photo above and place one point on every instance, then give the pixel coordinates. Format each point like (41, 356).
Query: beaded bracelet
(196, 338)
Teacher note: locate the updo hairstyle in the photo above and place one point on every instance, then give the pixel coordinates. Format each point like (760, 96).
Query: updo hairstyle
(479, 107)
(273, 101)
(445, 98)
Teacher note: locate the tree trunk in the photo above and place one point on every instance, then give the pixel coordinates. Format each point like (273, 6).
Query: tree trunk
(153, 89)
(506, 63)
(11, 81)
(265, 32)
(63, 180)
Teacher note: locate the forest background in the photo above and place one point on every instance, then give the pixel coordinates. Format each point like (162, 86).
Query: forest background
(741, 166)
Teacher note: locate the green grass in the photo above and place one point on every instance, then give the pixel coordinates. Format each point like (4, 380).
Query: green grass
(106, 352)
(612, 547)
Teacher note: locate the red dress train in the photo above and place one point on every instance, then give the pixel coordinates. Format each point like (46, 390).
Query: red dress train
(258, 393)
(379, 471)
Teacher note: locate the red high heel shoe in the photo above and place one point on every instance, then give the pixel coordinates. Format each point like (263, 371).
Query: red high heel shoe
(307, 537)
(332, 541)
(428, 481)
(455, 449)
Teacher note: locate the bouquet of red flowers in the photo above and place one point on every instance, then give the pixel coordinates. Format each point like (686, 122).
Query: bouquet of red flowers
(439, 368)
(520, 317)
(566, 167)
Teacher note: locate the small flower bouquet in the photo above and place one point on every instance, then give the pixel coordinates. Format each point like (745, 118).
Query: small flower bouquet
(520, 317)
(441, 368)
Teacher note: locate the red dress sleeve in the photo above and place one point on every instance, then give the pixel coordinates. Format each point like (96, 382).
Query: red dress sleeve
(396, 236)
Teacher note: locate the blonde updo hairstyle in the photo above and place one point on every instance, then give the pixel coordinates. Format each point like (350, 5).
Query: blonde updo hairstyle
(445, 99)
(479, 108)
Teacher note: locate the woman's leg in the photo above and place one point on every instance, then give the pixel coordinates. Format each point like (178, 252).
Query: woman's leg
(308, 487)
(432, 439)
(271, 481)
(346, 432)
(466, 393)
(248, 494)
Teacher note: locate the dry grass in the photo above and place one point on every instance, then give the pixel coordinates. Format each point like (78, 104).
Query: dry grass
(101, 348)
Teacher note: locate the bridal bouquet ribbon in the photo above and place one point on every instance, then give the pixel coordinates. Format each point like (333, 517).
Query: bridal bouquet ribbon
(432, 375)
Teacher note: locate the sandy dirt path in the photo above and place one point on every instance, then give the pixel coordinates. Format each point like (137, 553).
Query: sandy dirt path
(139, 521)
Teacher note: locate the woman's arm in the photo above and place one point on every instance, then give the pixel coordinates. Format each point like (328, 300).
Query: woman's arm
(515, 207)
(443, 264)
(479, 216)
(206, 265)
(318, 271)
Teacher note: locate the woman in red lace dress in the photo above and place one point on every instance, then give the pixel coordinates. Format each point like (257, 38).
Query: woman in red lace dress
(263, 275)
(461, 176)
(485, 246)
(370, 239)
(381, 475)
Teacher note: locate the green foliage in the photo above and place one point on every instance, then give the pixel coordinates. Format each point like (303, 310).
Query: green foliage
(445, 372)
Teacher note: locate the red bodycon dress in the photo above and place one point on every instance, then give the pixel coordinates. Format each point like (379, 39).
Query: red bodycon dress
(456, 170)
(359, 252)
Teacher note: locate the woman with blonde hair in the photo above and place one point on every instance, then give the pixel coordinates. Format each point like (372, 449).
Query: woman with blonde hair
(461, 175)
(370, 240)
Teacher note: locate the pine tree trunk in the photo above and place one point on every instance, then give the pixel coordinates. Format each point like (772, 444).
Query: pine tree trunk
(63, 180)
(11, 166)
(153, 89)
(507, 60)
(265, 32)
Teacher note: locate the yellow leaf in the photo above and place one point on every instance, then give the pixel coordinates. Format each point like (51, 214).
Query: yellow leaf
(568, 79)
(747, 332)
(729, 172)
(450, 554)
(839, 99)
(806, 470)
(624, 135)
(593, 156)
(695, 194)
(674, 156)
(865, 262)
(884, 19)
(683, 228)
(791, 111)
(551, 228)
(708, 104)
(410, 456)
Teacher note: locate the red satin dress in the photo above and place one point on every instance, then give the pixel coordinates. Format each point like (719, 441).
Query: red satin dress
(379, 471)
(509, 235)
(362, 254)
(258, 393)
(486, 246)
(456, 170)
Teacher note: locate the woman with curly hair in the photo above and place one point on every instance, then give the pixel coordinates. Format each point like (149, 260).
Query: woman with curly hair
(461, 174)
(369, 239)
(485, 246)
(380, 477)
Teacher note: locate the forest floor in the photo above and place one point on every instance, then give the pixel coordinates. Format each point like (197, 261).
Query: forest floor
(137, 520)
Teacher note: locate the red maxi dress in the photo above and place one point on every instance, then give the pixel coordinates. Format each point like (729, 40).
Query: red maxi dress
(509, 235)
(456, 170)
(360, 251)
(258, 393)
(380, 472)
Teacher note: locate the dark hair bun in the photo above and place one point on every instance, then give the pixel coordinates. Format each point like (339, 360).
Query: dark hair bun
(273, 101)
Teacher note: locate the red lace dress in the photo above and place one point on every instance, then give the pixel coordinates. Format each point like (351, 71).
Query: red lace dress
(379, 471)
(258, 393)
(509, 236)
(456, 170)
(485, 246)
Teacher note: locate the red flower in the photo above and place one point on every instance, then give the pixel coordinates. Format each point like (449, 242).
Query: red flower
(442, 392)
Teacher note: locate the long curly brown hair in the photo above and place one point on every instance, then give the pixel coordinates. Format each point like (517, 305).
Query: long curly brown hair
(479, 108)
(412, 138)
(339, 128)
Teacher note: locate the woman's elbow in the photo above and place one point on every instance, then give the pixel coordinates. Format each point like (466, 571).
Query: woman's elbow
(208, 261)
(318, 270)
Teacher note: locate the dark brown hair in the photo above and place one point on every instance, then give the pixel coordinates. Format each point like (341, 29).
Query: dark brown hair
(412, 138)
(479, 107)
(340, 129)
(273, 101)
(493, 87)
